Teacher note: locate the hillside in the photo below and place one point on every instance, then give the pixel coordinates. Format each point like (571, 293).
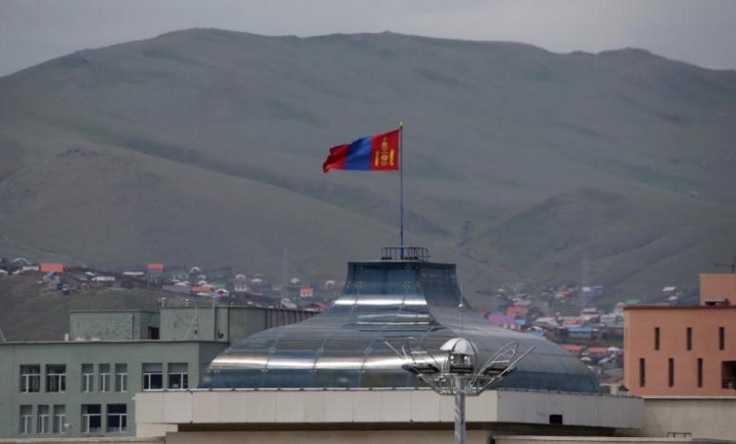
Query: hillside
(34, 313)
(205, 147)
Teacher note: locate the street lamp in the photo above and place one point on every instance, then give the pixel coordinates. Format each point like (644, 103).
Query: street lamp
(455, 371)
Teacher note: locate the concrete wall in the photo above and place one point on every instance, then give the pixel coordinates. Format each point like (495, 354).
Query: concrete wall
(326, 437)
(124, 325)
(195, 323)
(379, 408)
(711, 418)
(618, 412)
(594, 440)
(225, 324)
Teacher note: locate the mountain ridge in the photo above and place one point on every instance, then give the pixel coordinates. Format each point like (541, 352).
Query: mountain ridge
(206, 145)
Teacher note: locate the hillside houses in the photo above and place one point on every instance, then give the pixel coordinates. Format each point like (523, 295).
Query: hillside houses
(220, 285)
(592, 334)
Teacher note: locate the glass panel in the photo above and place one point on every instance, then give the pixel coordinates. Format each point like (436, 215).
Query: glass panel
(153, 377)
(105, 377)
(121, 377)
(91, 418)
(288, 378)
(30, 378)
(117, 418)
(88, 378)
(26, 420)
(337, 378)
(55, 378)
(43, 420)
(179, 376)
(59, 421)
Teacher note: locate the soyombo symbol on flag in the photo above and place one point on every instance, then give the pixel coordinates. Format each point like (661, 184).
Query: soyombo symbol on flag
(379, 152)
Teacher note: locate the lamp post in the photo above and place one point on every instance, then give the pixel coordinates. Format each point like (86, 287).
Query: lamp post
(454, 371)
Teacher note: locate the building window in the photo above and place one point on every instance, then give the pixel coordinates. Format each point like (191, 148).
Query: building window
(43, 420)
(117, 417)
(153, 378)
(700, 372)
(26, 419)
(88, 378)
(56, 378)
(30, 378)
(121, 377)
(105, 377)
(91, 418)
(59, 419)
(728, 374)
(656, 338)
(721, 338)
(178, 376)
(671, 372)
(689, 338)
(642, 372)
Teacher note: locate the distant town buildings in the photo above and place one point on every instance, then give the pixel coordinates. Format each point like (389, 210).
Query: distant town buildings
(219, 284)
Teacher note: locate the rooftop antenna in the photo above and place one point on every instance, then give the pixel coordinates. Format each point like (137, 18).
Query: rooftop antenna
(461, 307)
(284, 272)
(732, 265)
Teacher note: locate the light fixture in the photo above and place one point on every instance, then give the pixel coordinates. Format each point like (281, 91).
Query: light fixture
(453, 370)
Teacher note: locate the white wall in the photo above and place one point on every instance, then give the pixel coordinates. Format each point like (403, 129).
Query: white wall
(383, 408)
(326, 437)
(713, 418)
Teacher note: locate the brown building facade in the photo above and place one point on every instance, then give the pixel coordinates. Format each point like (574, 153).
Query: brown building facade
(717, 287)
(684, 351)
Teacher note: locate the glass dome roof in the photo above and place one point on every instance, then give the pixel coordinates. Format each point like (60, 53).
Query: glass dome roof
(391, 302)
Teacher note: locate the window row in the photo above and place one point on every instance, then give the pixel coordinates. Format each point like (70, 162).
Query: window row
(54, 377)
(176, 377)
(52, 419)
(106, 378)
(728, 373)
(689, 338)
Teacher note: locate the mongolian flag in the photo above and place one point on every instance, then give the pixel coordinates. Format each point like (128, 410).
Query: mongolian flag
(379, 152)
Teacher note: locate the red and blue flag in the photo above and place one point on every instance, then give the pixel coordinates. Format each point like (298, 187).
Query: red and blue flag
(379, 152)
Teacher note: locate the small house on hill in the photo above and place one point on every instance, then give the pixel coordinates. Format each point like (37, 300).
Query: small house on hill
(51, 267)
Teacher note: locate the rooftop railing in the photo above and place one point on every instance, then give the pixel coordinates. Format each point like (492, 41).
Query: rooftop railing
(404, 254)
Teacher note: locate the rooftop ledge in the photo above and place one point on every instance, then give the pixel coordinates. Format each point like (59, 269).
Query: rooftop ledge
(387, 407)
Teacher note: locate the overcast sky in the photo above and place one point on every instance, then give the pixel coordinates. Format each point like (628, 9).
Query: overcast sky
(702, 32)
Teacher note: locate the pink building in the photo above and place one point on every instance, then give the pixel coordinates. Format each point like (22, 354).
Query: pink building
(681, 350)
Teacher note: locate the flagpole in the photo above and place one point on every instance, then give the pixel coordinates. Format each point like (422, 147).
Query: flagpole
(401, 187)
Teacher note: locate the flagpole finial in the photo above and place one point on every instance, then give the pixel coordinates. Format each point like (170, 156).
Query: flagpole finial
(401, 124)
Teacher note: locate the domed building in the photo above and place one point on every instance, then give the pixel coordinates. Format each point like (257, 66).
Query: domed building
(400, 302)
